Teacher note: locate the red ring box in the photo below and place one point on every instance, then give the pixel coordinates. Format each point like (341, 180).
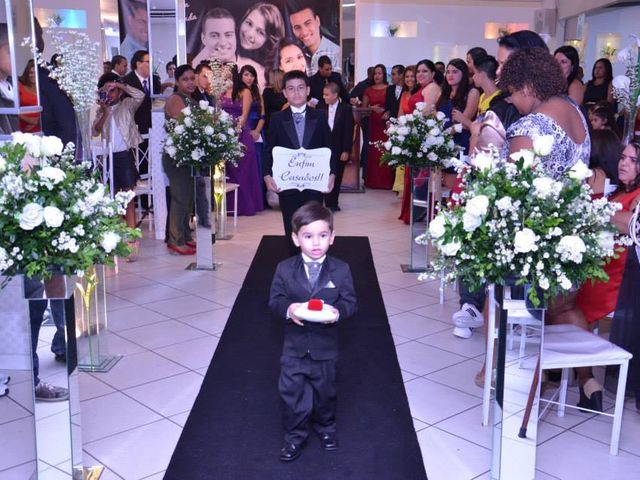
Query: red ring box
(315, 304)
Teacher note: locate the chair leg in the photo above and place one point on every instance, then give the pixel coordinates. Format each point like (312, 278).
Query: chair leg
(619, 409)
(235, 207)
(562, 396)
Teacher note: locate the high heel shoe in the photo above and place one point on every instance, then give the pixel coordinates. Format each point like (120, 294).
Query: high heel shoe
(594, 402)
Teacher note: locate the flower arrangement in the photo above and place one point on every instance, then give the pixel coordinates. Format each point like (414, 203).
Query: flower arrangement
(202, 137)
(626, 88)
(78, 65)
(220, 77)
(514, 222)
(419, 140)
(54, 213)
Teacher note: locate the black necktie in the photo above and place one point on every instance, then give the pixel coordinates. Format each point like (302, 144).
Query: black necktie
(314, 271)
(145, 86)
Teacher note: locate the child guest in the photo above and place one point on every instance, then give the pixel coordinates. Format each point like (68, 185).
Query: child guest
(310, 350)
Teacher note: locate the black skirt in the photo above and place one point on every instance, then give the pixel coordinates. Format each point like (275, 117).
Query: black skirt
(125, 174)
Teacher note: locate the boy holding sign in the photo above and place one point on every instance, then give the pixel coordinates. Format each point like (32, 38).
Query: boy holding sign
(294, 128)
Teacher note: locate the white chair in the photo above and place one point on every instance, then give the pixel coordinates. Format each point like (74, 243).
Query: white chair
(233, 187)
(144, 185)
(564, 347)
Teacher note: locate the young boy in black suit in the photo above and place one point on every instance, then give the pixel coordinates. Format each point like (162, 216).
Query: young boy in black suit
(296, 127)
(310, 351)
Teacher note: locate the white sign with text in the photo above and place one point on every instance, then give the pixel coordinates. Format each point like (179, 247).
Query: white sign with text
(301, 169)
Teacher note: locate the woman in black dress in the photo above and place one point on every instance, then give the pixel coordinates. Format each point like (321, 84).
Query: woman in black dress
(599, 87)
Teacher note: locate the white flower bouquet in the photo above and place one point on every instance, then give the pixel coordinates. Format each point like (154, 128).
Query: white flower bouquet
(419, 140)
(78, 65)
(54, 213)
(512, 222)
(202, 137)
(626, 88)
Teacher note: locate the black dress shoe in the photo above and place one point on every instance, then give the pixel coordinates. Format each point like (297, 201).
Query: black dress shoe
(329, 441)
(61, 357)
(593, 403)
(290, 452)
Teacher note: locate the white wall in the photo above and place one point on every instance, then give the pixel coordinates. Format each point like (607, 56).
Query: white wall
(444, 30)
(623, 21)
(163, 38)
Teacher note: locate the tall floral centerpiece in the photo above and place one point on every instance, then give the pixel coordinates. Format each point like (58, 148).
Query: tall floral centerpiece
(512, 221)
(76, 72)
(626, 88)
(54, 214)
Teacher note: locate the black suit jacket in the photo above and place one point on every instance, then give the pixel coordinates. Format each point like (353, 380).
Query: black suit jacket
(143, 114)
(317, 83)
(342, 133)
(57, 116)
(391, 103)
(282, 133)
(334, 286)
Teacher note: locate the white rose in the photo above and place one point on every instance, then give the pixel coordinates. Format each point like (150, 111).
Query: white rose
(53, 174)
(621, 82)
(432, 156)
(171, 151)
(571, 247)
(457, 127)
(109, 241)
(420, 107)
(565, 283)
(504, 204)
(3, 164)
(188, 122)
(31, 216)
(51, 146)
(482, 161)
(580, 172)
(478, 206)
(431, 122)
(470, 222)
(543, 186)
(387, 145)
(543, 283)
(527, 155)
(606, 240)
(440, 116)
(450, 249)
(542, 145)
(403, 130)
(402, 120)
(231, 132)
(524, 241)
(410, 117)
(186, 111)
(196, 154)
(179, 129)
(391, 130)
(396, 151)
(208, 129)
(204, 105)
(53, 217)
(435, 131)
(436, 227)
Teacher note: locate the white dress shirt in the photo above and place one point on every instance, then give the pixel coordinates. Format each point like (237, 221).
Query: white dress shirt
(332, 114)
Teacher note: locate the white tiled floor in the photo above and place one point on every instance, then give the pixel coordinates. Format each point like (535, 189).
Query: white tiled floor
(167, 322)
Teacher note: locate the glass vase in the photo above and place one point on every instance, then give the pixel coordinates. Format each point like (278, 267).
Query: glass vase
(220, 199)
(628, 131)
(83, 136)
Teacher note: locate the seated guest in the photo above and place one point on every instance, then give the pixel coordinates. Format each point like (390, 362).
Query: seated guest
(321, 78)
(594, 301)
(29, 122)
(341, 126)
(601, 116)
(115, 122)
(603, 162)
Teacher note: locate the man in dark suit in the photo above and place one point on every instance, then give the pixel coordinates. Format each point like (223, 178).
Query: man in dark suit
(296, 127)
(310, 350)
(120, 65)
(321, 78)
(340, 119)
(203, 83)
(139, 77)
(393, 93)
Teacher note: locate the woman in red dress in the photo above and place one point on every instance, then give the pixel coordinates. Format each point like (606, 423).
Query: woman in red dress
(29, 122)
(376, 175)
(595, 301)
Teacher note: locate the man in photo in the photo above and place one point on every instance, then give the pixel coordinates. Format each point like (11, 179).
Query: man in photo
(305, 24)
(136, 25)
(321, 79)
(220, 42)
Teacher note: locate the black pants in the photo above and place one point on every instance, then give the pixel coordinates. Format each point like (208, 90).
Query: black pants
(331, 198)
(308, 389)
(289, 203)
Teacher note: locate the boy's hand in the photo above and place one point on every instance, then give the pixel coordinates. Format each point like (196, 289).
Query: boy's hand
(292, 308)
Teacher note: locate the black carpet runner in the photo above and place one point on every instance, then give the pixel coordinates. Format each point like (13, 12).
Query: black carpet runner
(234, 430)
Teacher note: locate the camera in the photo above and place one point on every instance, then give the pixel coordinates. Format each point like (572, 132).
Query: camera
(103, 96)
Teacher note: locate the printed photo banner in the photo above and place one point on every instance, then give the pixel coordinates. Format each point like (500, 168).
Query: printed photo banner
(301, 169)
(285, 34)
(134, 27)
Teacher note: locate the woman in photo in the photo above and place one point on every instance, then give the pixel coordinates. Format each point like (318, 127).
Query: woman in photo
(290, 57)
(261, 28)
